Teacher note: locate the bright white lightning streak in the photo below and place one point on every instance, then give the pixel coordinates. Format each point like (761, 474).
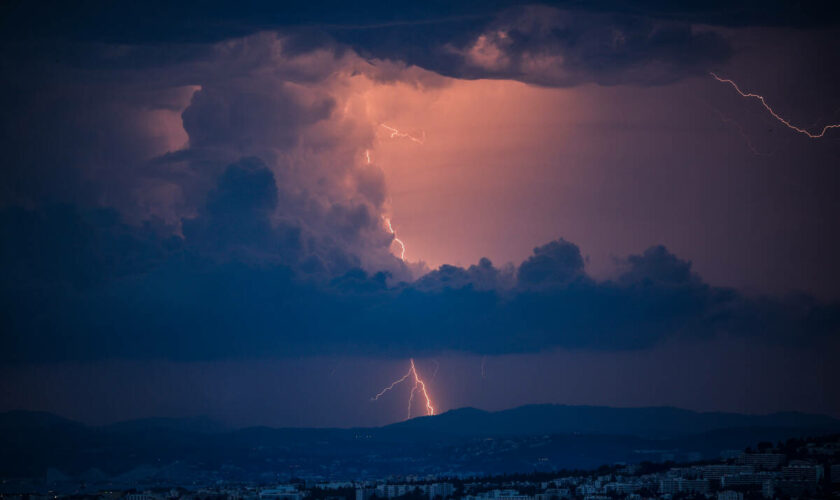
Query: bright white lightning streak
(397, 134)
(397, 240)
(419, 386)
(775, 115)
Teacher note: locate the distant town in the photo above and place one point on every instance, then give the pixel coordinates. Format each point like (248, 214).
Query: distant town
(797, 468)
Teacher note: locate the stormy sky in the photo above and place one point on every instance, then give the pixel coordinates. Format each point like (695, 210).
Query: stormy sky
(260, 212)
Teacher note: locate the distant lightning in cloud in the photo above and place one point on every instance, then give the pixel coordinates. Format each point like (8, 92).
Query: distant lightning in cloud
(741, 132)
(773, 113)
(397, 240)
(398, 134)
(418, 387)
(387, 220)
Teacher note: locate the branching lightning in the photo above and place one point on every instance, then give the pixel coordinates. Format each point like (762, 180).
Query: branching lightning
(398, 134)
(773, 113)
(419, 386)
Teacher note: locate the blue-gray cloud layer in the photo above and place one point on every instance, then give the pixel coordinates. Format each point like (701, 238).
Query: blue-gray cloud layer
(276, 258)
(84, 285)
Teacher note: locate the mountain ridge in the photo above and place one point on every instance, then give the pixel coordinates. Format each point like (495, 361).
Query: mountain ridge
(543, 418)
(652, 421)
(465, 439)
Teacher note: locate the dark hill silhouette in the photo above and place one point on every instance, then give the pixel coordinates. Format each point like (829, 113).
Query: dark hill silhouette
(187, 424)
(515, 440)
(650, 422)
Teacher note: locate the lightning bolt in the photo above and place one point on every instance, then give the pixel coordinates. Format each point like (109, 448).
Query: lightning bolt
(397, 240)
(419, 386)
(773, 113)
(388, 220)
(397, 134)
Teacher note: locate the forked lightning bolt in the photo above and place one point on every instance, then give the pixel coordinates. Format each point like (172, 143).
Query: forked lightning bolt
(419, 386)
(773, 113)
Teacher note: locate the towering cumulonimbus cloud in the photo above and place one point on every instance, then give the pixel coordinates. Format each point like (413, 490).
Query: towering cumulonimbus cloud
(219, 203)
(247, 102)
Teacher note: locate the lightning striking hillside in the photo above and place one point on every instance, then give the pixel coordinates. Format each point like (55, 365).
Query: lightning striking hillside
(419, 386)
(773, 113)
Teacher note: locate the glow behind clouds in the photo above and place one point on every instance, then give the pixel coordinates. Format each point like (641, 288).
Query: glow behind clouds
(212, 227)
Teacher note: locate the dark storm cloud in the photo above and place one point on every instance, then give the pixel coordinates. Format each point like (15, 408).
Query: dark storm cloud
(151, 140)
(548, 46)
(555, 263)
(84, 285)
(208, 21)
(549, 43)
(237, 215)
(62, 139)
(81, 85)
(482, 276)
(258, 248)
(221, 117)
